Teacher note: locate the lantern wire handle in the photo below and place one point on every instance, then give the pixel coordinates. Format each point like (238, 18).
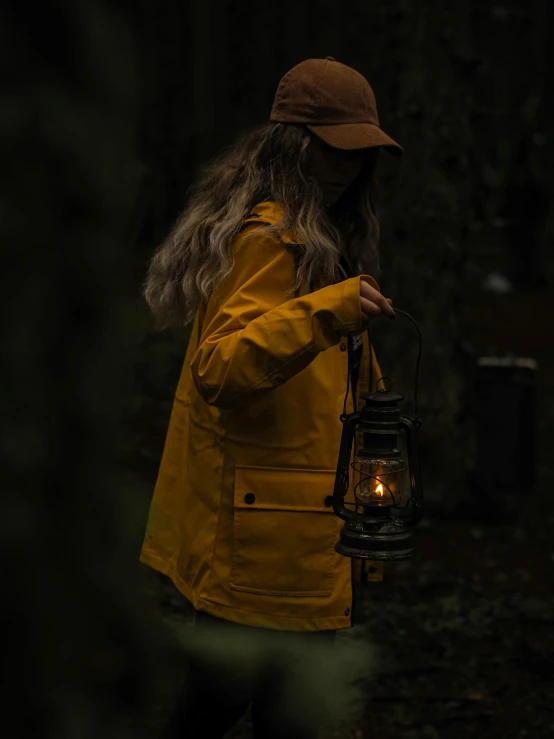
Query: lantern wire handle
(418, 361)
(385, 377)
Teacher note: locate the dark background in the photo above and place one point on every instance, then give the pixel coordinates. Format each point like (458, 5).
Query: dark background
(109, 113)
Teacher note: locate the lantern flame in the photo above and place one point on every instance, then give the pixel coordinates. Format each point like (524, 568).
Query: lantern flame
(379, 490)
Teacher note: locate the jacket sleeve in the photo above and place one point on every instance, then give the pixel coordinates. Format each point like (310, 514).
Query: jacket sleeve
(253, 339)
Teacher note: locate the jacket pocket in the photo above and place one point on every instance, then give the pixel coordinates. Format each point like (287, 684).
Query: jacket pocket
(284, 534)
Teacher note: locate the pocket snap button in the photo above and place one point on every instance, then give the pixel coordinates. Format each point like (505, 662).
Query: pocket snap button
(249, 498)
(343, 347)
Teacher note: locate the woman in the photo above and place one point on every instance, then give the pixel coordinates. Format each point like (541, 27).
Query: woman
(273, 262)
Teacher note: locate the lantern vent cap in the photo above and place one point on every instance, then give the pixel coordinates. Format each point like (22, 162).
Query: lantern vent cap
(382, 398)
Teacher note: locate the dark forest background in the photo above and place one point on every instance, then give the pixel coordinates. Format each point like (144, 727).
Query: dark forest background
(109, 112)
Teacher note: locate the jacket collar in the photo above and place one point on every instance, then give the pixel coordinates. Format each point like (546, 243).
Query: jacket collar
(271, 212)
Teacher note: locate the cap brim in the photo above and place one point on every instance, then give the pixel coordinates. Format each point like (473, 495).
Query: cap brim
(350, 136)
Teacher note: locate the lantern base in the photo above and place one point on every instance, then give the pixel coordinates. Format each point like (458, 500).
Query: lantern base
(375, 537)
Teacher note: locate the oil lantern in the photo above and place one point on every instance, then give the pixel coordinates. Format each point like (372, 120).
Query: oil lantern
(386, 475)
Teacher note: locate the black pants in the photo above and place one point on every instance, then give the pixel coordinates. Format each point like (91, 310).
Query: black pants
(208, 710)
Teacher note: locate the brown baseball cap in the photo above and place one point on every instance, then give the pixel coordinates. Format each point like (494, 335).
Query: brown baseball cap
(335, 102)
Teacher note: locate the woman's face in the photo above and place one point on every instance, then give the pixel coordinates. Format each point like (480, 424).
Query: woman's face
(334, 169)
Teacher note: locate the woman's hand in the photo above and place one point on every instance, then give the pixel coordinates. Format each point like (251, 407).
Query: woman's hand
(373, 304)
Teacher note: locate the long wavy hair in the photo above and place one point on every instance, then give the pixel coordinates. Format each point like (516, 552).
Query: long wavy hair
(269, 163)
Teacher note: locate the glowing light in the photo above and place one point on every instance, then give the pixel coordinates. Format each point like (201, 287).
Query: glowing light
(379, 490)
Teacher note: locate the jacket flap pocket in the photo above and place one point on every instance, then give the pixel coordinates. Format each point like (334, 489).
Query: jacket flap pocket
(284, 532)
(287, 489)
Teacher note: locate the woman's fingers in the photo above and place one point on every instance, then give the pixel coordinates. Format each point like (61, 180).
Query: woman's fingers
(370, 309)
(373, 296)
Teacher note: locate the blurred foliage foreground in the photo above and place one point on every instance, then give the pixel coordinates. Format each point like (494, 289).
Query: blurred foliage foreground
(309, 681)
(461, 640)
(81, 653)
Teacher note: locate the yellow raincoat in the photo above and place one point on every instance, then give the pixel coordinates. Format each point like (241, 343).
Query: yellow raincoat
(241, 519)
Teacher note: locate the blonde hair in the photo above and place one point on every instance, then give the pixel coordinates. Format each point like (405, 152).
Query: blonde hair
(269, 163)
